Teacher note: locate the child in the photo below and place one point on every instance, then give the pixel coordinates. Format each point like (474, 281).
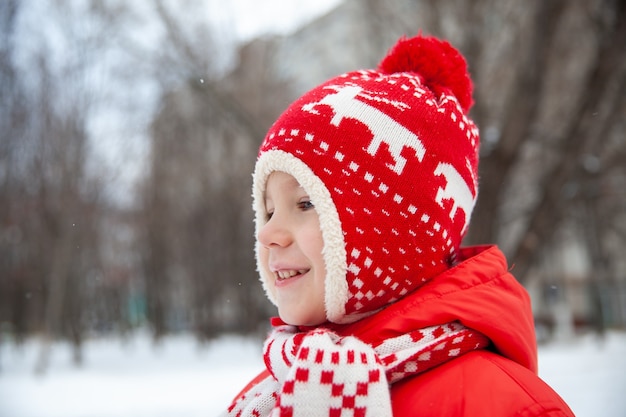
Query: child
(363, 190)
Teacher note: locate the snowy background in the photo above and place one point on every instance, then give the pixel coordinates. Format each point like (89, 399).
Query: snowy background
(182, 378)
(179, 377)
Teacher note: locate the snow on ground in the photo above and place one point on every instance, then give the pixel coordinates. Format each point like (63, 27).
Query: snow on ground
(590, 374)
(182, 378)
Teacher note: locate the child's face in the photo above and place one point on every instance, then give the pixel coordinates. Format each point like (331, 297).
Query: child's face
(291, 248)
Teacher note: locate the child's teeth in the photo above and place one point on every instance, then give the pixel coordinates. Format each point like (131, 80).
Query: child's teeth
(289, 273)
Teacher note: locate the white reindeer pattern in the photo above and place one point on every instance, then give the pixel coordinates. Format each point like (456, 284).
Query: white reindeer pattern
(456, 190)
(383, 128)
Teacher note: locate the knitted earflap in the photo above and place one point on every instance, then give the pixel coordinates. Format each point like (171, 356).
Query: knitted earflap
(389, 159)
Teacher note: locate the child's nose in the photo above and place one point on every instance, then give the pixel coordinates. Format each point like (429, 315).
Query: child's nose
(275, 233)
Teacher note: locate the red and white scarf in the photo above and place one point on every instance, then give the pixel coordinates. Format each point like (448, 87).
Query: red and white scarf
(320, 374)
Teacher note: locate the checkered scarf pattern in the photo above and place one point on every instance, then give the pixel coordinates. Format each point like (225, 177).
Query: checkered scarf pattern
(320, 374)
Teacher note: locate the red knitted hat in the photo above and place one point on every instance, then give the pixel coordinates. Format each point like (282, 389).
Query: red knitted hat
(389, 158)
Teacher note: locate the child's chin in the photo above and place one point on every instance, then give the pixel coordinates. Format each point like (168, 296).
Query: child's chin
(301, 321)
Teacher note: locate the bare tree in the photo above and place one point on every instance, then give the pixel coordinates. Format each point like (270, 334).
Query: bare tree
(52, 195)
(587, 129)
(197, 237)
(12, 125)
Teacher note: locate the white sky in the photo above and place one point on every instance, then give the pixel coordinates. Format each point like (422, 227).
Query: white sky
(252, 17)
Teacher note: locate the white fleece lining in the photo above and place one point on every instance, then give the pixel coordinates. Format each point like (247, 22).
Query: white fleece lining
(334, 252)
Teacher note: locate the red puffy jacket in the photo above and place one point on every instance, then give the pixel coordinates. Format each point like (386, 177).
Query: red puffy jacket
(501, 381)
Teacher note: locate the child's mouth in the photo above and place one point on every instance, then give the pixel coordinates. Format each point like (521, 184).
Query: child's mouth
(285, 274)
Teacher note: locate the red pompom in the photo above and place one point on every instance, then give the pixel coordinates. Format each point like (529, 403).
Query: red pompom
(442, 68)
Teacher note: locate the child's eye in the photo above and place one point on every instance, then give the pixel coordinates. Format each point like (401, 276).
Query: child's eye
(268, 215)
(306, 205)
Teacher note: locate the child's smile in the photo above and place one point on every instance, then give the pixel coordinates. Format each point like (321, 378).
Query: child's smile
(284, 274)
